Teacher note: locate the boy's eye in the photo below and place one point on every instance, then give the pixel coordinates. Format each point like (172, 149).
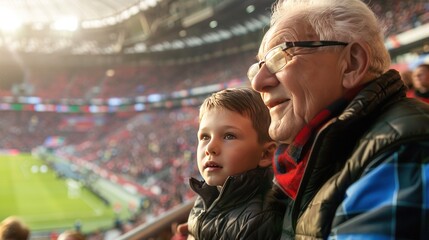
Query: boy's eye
(229, 136)
(204, 137)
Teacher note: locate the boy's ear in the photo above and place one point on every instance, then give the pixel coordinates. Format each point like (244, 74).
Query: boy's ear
(268, 154)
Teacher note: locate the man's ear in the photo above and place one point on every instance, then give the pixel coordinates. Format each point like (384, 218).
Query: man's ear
(356, 64)
(268, 154)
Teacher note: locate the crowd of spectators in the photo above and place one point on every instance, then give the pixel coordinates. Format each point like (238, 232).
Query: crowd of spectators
(26, 130)
(155, 149)
(23, 130)
(131, 80)
(399, 16)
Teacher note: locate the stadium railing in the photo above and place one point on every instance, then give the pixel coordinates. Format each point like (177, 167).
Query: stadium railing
(178, 214)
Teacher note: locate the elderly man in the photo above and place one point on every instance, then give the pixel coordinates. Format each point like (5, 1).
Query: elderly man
(354, 153)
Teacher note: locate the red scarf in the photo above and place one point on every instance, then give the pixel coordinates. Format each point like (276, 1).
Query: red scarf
(290, 160)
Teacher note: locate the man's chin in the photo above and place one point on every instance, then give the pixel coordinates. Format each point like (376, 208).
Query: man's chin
(282, 134)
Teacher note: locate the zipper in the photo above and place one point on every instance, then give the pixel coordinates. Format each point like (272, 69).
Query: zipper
(296, 203)
(204, 213)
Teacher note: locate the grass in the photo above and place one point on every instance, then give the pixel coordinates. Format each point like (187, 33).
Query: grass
(45, 202)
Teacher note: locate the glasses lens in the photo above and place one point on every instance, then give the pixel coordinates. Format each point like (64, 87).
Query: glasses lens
(253, 70)
(275, 60)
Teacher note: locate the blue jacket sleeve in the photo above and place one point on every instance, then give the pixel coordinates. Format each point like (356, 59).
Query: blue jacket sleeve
(390, 200)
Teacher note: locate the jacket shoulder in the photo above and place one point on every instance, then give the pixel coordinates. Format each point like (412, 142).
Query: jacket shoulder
(404, 119)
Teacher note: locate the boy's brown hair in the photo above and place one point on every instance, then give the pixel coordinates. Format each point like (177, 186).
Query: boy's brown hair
(244, 101)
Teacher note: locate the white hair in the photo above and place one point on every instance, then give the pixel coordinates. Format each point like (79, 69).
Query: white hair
(339, 20)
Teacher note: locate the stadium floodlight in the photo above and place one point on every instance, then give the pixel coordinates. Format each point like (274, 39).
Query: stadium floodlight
(9, 20)
(238, 30)
(151, 3)
(68, 23)
(140, 47)
(225, 34)
(177, 44)
(213, 24)
(250, 8)
(194, 41)
(143, 5)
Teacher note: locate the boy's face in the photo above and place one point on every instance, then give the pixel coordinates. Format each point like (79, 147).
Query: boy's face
(227, 145)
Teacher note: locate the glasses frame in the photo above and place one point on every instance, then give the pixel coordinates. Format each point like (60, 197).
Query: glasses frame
(288, 45)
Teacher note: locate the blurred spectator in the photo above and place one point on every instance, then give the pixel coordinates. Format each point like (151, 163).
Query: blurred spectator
(71, 235)
(78, 226)
(53, 235)
(421, 83)
(407, 77)
(13, 228)
(117, 231)
(96, 235)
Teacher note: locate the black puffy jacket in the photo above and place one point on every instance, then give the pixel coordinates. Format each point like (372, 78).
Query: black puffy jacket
(244, 209)
(379, 121)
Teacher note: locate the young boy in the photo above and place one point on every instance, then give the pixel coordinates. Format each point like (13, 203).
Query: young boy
(234, 158)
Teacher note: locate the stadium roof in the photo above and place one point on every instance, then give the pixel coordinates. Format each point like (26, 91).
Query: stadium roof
(94, 27)
(47, 12)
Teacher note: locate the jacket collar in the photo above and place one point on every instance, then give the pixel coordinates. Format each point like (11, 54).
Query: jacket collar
(387, 87)
(236, 189)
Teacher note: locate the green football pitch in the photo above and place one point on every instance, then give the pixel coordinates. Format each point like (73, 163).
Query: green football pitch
(34, 193)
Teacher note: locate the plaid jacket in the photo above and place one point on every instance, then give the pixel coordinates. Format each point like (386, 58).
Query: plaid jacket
(367, 175)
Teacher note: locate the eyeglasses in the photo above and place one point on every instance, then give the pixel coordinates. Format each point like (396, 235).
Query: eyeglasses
(275, 60)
